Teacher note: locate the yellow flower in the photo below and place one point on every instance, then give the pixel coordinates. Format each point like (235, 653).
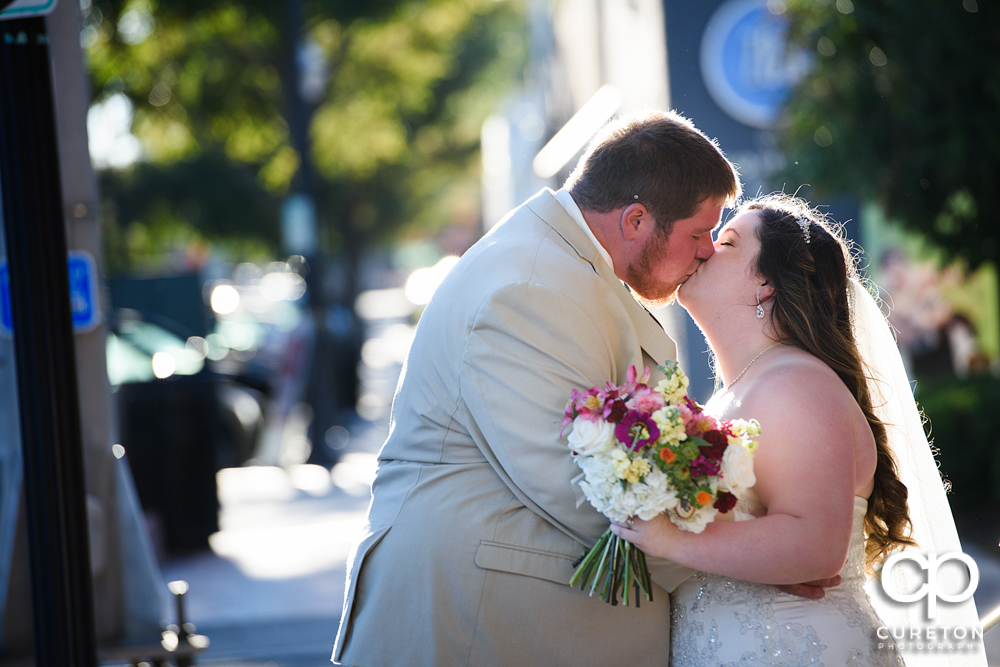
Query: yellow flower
(703, 498)
(749, 428)
(638, 469)
(620, 463)
(673, 388)
(671, 425)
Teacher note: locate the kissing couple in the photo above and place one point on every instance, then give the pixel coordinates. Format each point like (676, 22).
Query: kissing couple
(475, 522)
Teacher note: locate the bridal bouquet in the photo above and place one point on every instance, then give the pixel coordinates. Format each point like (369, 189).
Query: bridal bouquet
(645, 451)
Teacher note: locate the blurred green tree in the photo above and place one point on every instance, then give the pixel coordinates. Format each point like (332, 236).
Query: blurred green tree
(901, 108)
(398, 93)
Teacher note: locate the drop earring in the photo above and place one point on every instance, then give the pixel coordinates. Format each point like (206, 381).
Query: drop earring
(760, 309)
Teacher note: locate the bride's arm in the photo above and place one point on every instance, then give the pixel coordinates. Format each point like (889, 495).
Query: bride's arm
(806, 477)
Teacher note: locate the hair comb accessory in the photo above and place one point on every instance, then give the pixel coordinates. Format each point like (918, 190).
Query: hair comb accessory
(804, 223)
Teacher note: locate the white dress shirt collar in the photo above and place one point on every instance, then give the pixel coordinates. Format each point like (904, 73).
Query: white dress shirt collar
(566, 200)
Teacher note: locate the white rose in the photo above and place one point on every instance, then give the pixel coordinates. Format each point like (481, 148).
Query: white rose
(654, 494)
(589, 438)
(623, 506)
(737, 469)
(601, 481)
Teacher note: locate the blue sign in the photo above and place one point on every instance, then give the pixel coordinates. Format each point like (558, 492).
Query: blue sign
(746, 64)
(83, 293)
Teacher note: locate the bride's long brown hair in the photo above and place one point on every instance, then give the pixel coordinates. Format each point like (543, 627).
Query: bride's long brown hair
(810, 307)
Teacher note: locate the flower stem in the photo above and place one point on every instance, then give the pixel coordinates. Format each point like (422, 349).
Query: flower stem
(585, 566)
(626, 556)
(616, 567)
(603, 564)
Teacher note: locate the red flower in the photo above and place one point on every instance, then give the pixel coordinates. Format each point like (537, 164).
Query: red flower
(703, 465)
(717, 441)
(615, 410)
(725, 502)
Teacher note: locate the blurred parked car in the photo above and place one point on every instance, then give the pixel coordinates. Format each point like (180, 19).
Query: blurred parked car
(181, 420)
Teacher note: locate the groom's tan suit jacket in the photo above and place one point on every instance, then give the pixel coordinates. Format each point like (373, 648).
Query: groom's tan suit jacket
(474, 522)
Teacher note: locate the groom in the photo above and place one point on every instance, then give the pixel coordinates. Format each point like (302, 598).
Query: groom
(474, 522)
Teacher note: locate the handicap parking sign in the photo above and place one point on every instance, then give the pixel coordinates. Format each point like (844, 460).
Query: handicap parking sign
(83, 293)
(20, 9)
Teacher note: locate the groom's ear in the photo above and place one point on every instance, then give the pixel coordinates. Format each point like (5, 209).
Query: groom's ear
(636, 222)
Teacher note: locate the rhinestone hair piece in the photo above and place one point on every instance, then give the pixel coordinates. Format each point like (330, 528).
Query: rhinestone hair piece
(804, 224)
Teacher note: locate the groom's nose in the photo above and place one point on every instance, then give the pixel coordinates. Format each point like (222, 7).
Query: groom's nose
(706, 248)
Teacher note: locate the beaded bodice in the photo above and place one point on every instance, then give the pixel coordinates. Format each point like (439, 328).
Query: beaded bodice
(723, 622)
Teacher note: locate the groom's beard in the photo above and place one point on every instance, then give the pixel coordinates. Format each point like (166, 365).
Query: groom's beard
(638, 276)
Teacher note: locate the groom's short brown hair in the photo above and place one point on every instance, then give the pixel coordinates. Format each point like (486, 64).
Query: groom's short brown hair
(661, 157)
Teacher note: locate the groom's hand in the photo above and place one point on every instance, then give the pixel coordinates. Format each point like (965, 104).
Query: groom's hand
(810, 589)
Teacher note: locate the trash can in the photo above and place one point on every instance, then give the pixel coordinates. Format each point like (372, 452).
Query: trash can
(172, 433)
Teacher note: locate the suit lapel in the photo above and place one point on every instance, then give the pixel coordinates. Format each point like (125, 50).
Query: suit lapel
(652, 338)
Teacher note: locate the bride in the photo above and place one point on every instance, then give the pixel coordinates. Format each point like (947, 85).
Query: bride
(775, 302)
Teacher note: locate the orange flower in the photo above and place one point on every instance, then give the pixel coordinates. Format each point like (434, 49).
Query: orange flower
(667, 455)
(703, 498)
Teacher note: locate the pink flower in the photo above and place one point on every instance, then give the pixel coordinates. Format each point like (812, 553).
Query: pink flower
(696, 422)
(645, 400)
(637, 430)
(589, 404)
(632, 375)
(631, 384)
(690, 416)
(567, 417)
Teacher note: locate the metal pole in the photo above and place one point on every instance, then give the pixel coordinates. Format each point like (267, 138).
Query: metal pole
(43, 347)
(114, 614)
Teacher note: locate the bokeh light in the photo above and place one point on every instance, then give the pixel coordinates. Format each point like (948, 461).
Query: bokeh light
(422, 283)
(164, 365)
(225, 299)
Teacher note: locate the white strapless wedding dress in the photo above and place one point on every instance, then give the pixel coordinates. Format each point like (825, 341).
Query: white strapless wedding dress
(721, 622)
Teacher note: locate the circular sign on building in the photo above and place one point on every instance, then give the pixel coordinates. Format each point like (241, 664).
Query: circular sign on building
(746, 64)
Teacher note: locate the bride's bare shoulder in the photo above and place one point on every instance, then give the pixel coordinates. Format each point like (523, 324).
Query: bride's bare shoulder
(798, 381)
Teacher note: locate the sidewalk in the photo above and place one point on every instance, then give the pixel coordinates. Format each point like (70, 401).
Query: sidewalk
(270, 590)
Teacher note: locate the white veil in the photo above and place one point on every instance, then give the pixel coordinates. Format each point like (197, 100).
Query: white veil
(933, 524)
